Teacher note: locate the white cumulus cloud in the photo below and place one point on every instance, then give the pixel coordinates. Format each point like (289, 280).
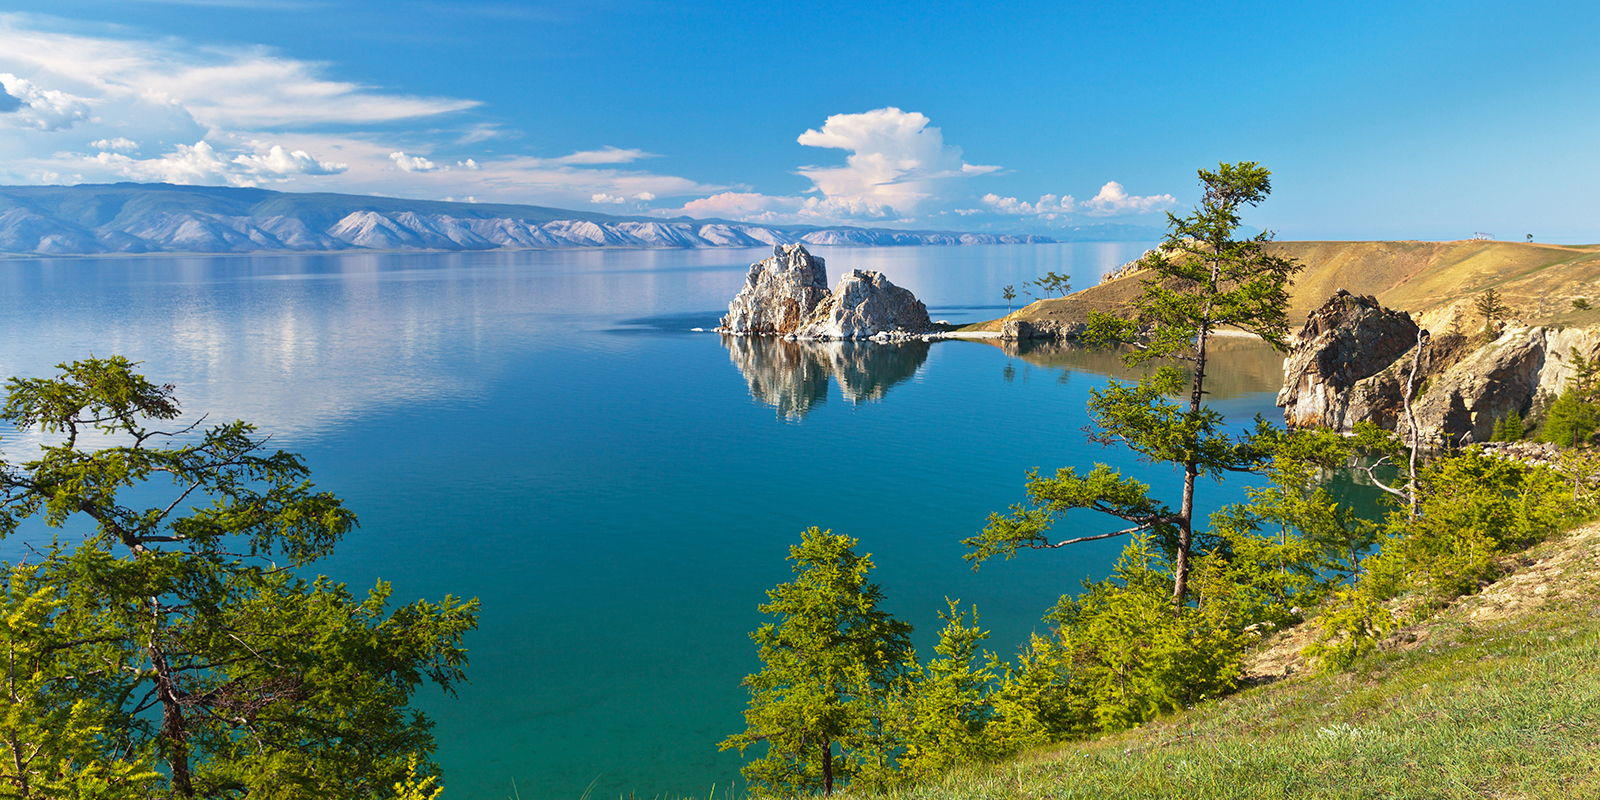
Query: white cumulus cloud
(119, 145)
(899, 166)
(606, 198)
(1049, 206)
(413, 163)
(41, 109)
(201, 164)
(1114, 201)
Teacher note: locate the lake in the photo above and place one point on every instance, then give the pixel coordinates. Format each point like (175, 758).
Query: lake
(544, 431)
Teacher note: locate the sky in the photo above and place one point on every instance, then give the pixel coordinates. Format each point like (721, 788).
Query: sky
(1378, 120)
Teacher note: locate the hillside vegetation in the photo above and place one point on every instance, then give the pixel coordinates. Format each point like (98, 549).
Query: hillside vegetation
(1496, 696)
(1434, 280)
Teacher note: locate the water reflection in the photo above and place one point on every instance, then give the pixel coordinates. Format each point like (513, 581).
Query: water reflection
(1239, 366)
(792, 376)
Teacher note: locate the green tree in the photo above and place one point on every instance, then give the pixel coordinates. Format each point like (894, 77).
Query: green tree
(1200, 280)
(173, 626)
(829, 661)
(1009, 293)
(1489, 306)
(945, 706)
(1580, 304)
(1053, 283)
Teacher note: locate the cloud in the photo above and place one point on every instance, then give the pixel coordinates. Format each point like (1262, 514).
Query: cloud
(897, 163)
(644, 197)
(201, 164)
(1049, 206)
(606, 198)
(605, 155)
(899, 167)
(1113, 201)
(469, 164)
(9, 104)
(118, 144)
(413, 163)
(41, 109)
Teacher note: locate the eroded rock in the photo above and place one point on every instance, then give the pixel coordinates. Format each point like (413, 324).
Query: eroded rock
(779, 294)
(1350, 338)
(863, 305)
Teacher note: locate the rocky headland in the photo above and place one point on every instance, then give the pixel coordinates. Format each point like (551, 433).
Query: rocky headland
(787, 295)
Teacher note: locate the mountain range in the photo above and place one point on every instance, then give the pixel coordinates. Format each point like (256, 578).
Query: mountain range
(166, 218)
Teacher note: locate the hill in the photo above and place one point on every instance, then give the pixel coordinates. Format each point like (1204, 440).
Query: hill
(1435, 281)
(1495, 696)
(151, 218)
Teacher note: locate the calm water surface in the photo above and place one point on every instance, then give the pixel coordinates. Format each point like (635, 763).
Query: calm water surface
(542, 430)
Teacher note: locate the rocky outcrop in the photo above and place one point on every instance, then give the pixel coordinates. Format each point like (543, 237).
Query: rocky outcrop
(779, 294)
(1352, 360)
(865, 305)
(1021, 330)
(1349, 339)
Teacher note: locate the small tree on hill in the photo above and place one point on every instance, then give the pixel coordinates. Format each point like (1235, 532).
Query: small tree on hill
(1489, 306)
(829, 661)
(1201, 279)
(1009, 293)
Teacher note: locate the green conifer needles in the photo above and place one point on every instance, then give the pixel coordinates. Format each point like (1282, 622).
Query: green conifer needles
(172, 651)
(1200, 279)
(829, 659)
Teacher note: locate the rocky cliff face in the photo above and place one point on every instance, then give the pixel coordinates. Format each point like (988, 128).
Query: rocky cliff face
(1351, 361)
(863, 305)
(779, 294)
(1347, 340)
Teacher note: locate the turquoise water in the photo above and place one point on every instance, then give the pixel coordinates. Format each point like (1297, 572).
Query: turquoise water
(545, 432)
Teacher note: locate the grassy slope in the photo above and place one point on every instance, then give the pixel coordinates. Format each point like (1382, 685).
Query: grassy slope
(1497, 696)
(1538, 281)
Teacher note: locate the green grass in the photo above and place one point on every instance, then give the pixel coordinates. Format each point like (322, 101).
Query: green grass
(1509, 710)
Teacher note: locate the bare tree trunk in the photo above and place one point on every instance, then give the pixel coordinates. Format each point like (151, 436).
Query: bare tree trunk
(1191, 469)
(173, 727)
(827, 766)
(1411, 420)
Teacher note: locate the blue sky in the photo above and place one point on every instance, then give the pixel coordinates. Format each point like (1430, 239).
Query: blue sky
(1391, 120)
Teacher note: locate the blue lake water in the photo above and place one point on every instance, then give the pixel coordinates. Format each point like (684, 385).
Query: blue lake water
(543, 431)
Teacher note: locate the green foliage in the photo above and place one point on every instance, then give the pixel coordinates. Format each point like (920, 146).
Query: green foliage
(829, 663)
(1580, 304)
(1009, 293)
(1489, 306)
(944, 708)
(178, 634)
(1052, 283)
(1200, 279)
(1573, 418)
(1508, 428)
(1475, 509)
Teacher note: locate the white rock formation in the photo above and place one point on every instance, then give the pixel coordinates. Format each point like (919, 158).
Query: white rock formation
(779, 294)
(863, 305)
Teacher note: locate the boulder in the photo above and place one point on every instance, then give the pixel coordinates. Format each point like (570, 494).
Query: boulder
(865, 304)
(779, 294)
(1349, 339)
(1018, 330)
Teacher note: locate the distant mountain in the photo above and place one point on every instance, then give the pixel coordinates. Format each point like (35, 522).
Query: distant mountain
(163, 218)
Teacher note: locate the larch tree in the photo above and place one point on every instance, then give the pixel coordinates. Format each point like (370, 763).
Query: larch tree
(1200, 280)
(165, 641)
(829, 660)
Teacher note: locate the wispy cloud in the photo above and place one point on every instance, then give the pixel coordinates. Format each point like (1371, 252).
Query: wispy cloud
(1111, 201)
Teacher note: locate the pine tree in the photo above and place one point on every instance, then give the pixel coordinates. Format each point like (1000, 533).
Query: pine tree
(1489, 307)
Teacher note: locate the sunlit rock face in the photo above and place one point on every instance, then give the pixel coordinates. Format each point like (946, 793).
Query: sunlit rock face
(792, 376)
(865, 304)
(779, 293)
(1349, 339)
(1352, 362)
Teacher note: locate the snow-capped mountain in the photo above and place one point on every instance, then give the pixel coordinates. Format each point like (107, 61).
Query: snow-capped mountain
(146, 218)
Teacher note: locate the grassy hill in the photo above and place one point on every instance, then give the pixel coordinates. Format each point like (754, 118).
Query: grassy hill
(1433, 280)
(1497, 696)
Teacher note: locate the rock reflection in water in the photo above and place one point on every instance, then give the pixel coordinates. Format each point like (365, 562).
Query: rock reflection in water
(792, 376)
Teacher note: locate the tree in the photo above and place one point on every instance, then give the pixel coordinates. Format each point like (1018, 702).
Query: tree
(1201, 279)
(1580, 304)
(1009, 293)
(178, 629)
(1530, 238)
(829, 661)
(1054, 283)
(1489, 307)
